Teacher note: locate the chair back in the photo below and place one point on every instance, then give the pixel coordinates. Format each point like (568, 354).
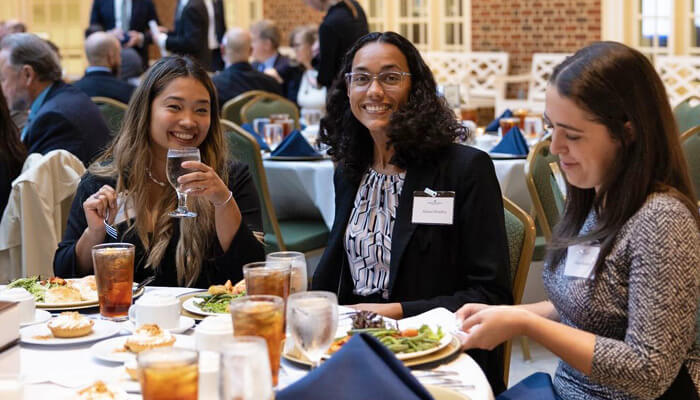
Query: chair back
(690, 141)
(687, 113)
(264, 105)
(231, 110)
(547, 199)
(112, 111)
(244, 148)
(680, 75)
(37, 213)
(520, 232)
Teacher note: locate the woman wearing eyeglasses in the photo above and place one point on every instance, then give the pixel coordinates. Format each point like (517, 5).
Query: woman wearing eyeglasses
(394, 248)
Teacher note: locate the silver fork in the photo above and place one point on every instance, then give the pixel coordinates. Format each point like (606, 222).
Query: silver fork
(111, 231)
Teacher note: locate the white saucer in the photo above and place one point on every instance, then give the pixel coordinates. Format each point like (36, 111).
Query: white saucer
(185, 324)
(39, 317)
(110, 349)
(40, 334)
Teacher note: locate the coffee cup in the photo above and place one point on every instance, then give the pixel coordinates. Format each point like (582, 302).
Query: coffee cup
(212, 331)
(162, 309)
(25, 303)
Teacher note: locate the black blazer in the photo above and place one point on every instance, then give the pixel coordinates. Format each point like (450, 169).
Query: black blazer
(190, 36)
(241, 77)
(104, 84)
(142, 11)
(67, 120)
(216, 269)
(291, 74)
(337, 33)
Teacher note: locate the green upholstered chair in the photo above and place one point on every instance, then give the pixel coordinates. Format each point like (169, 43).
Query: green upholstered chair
(263, 105)
(112, 111)
(520, 232)
(687, 113)
(302, 235)
(690, 141)
(231, 110)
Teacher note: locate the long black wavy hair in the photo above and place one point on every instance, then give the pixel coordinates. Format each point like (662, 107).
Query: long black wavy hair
(420, 130)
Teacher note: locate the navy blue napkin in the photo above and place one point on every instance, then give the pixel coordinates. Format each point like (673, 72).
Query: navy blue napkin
(362, 369)
(513, 142)
(249, 128)
(295, 145)
(493, 126)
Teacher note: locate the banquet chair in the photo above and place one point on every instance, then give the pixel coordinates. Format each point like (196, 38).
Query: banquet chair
(520, 232)
(687, 113)
(263, 105)
(301, 235)
(547, 199)
(231, 110)
(690, 141)
(37, 213)
(112, 111)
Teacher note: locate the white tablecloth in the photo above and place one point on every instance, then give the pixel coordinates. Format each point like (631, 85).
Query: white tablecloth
(304, 189)
(76, 364)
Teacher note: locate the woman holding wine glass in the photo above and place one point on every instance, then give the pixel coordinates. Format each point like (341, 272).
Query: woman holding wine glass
(172, 111)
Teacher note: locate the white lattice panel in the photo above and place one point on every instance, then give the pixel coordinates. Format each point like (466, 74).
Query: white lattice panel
(680, 75)
(474, 72)
(542, 66)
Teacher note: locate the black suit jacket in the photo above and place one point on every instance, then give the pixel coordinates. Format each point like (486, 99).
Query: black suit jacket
(190, 35)
(337, 33)
(291, 74)
(142, 11)
(104, 84)
(241, 77)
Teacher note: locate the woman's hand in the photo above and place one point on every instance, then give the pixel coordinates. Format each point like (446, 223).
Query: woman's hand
(96, 208)
(205, 182)
(488, 326)
(389, 310)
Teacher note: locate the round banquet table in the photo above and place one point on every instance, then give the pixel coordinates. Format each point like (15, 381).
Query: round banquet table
(76, 364)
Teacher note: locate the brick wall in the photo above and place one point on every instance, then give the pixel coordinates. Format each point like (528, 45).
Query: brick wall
(289, 14)
(523, 27)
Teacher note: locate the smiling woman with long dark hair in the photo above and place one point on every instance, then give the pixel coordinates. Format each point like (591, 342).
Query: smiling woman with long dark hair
(12, 153)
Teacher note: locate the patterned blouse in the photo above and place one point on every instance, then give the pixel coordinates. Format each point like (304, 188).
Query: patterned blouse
(641, 306)
(368, 234)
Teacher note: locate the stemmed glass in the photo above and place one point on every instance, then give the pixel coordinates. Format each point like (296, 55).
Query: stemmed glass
(312, 318)
(175, 170)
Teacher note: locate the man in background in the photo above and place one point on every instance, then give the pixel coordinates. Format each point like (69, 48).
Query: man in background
(103, 53)
(266, 58)
(60, 116)
(190, 37)
(239, 76)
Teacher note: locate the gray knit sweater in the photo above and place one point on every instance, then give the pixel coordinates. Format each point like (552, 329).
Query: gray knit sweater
(641, 306)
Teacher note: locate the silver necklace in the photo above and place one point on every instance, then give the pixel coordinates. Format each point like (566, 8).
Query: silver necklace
(156, 181)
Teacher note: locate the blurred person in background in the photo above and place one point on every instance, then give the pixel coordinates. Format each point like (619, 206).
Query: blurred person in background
(216, 31)
(104, 58)
(191, 34)
(131, 63)
(12, 153)
(266, 39)
(310, 95)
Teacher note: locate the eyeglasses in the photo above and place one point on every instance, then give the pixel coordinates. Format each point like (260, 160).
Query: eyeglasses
(362, 80)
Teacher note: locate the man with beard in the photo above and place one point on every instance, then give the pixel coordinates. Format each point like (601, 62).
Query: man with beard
(104, 59)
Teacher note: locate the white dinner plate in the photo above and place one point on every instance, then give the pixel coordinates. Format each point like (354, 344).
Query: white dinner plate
(191, 306)
(113, 349)
(40, 334)
(184, 324)
(39, 317)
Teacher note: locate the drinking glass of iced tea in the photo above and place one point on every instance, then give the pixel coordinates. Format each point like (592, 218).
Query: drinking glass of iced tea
(258, 315)
(298, 278)
(114, 275)
(268, 277)
(169, 373)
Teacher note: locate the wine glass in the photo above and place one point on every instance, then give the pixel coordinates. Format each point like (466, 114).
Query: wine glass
(174, 167)
(312, 318)
(299, 281)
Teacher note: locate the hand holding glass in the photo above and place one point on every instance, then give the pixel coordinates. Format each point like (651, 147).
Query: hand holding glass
(175, 170)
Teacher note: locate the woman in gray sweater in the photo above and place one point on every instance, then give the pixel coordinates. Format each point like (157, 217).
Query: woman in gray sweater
(623, 271)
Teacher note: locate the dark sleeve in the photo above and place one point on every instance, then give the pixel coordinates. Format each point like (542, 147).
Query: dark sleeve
(53, 131)
(5, 186)
(328, 54)
(64, 261)
(327, 273)
(196, 22)
(244, 247)
(292, 80)
(95, 16)
(151, 15)
(483, 246)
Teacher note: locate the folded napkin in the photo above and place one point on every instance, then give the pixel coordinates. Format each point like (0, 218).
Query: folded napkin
(294, 145)
(362, 369)
(493, 126)
(513, 142)
(249, 128)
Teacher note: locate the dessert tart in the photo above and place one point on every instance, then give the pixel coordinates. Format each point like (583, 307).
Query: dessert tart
(148, 336)
(70, 325)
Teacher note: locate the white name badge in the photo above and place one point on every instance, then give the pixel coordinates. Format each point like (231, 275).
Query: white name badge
(436, 208)
(580, 260)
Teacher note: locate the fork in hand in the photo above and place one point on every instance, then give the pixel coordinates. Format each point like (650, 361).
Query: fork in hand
(111, 231)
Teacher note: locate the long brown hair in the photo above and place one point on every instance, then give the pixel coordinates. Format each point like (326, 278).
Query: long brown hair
(129, 156)
(12, 150)
(618, 85)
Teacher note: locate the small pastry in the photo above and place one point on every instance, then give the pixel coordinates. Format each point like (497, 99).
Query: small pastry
(148, 337)
(70, 325)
